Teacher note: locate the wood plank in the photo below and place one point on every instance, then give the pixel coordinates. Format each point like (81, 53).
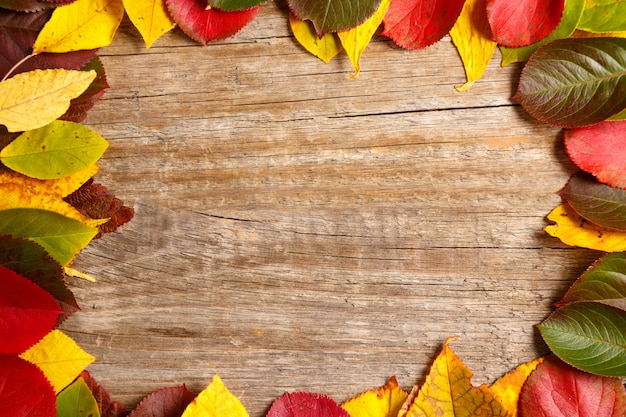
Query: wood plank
(297, 229)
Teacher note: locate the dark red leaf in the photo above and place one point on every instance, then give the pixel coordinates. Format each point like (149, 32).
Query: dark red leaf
(415, 24)
(25, 5)
(555, 389)
(523, 22)
(107, 407)
(306, 404)
(83, 103)
(166, 402)
(24, 390)
(204, 25)
(27, 312)
(94, 201)
(600, 150)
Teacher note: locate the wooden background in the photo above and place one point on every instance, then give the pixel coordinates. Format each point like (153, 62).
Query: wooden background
(297, 229)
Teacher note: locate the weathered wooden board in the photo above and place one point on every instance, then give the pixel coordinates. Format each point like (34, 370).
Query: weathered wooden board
(297, 229)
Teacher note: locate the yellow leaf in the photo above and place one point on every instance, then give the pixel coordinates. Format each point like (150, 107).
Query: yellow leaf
(84, 24)
(573, 230)
(472, 37)
(385, 401)
(61, 187)
(584, 34)
(150, 17)
(356, 39)
(59, 357)
(447, 392)
(215, 401)
(325, 48)
(33, 99)
(508, 387)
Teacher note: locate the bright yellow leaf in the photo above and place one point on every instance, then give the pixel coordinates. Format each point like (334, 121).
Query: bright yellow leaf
(61, 187)
(59, 357)
(385, 401)
(84, 24)
(472, 37)
(508, 387)
(356, 39)
(150, 17)
(573, 230)
(215, 401)
(33, 99)
(325, 48)
(447, 392)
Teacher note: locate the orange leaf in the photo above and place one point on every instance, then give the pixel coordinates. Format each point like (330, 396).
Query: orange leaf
(507, 388)
(385, 401)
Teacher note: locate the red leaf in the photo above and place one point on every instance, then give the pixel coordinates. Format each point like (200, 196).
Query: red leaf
(204, 25)
(107, 407)
(600, 150)
(24, 390)
(27, 312)
(523, 22)
(25, 5)
(555, 389)
(415, 24)
(166, 402)
(306, 404)
(83, 103)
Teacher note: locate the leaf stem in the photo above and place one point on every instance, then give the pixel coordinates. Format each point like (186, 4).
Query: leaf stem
(20, 62)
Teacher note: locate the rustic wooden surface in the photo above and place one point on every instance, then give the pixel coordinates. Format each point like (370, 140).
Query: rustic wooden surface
(297, 229)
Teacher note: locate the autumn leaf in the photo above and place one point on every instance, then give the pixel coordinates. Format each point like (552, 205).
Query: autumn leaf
(555, 389)
(325, 47)
(24, 390)
(233, 5)
(575, 82)
(333, 15)
(523, 22)
(77, 401)
(416, 24)
(215, 401)
(29, 6)
(601, 150)
(28, 312)
(150, 17)
(107, 407)
(604, 16)
(447, 391)
(205, 25)
(165, 402)
(385, 401)
(571, 16)
(59, 357)
(573, 230)
(472, 37)
(33, 99)
(355, 40)
(508, 387)
(305, 404)
(84, 24)
(80, 105)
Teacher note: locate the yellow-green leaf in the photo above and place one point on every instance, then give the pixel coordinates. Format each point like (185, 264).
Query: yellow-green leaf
(356, 39)
(472, 37)
(215, 401)
(325, 48)
(385, 401)
(150, 17)
(59, 357)
(573, 230)
(77, 400)
(84, 24)
(508, 387)
(33, 99)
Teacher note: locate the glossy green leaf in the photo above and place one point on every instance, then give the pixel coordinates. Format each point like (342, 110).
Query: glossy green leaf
(599, 203)
(333, 15)
(575, 82)
(77, 401)
(234, 5)
(604, 16)
(589, 336)
(604, 282)
(54, 151)
(571, 16)
(63, 238)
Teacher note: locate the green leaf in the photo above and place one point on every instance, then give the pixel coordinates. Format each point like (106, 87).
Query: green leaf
(333, 15)
(234, 5)
(575, 82)
(604, 16)
(62, 237)
(619, 116)
(77, 401)
(571, 16)
(599, 203)
(54, 151)
(589, 336)
(604, 282)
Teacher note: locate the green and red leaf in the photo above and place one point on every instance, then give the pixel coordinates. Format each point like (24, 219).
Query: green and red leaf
(235, 5)
(333, 15)
(107, 407)
(166, 402)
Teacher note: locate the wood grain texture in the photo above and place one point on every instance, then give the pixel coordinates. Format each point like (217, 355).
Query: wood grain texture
(297, 229)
